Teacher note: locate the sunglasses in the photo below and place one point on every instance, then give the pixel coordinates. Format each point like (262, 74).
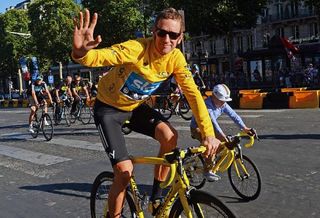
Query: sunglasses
(162, 33)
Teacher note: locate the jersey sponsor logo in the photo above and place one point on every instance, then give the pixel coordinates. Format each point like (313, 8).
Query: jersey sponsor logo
(163, 74)
(138, 88)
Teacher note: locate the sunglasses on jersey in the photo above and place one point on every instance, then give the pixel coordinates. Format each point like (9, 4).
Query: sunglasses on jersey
(162, 33)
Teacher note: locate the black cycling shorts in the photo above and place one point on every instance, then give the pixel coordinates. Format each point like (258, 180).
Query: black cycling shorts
(109, 121)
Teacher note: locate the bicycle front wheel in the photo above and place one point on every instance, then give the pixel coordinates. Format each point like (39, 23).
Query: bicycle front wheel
(99, 198)
(35, 126)
(194, 167)
(85, 114)
(248, 183)
(47, 127)
(202, 204)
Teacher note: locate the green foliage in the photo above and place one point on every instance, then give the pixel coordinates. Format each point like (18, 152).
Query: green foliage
(118, 20)
(13, 46)
(52, 29)
(219, 16)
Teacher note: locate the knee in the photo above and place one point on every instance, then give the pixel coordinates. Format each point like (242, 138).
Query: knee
(122, 173)
(166, 134)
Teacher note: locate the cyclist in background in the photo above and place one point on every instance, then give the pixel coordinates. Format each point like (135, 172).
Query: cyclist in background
(39, 90)
(141, 65)
(79, 91)
(63, 89)
(217, 105)
(62, 92)
(197, 77)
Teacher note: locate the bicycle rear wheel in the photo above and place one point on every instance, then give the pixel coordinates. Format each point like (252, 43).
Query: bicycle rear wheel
(99, 197)
(85, 114)
(248, 184)
(194, 167)
(47, 127)
(163, 106)
(202, 204)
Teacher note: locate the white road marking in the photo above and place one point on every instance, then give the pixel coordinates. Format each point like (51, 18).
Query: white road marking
(31, 156)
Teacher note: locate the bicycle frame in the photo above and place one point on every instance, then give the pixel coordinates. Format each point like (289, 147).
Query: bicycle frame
(179, 187)
(228, 156)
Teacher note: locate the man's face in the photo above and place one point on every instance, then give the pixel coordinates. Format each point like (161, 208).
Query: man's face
(167, 35)
(38, 81)
(69, 79)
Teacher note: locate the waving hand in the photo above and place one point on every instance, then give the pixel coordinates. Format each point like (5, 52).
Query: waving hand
(83, 39)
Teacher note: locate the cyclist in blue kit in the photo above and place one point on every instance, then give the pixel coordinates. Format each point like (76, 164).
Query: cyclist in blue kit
(217, 105)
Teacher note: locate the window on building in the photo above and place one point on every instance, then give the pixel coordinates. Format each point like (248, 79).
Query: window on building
(279, 10)
(280, 31)
(313, 29)
(294, 9)
(213, 47)
(240, 44)
(295, 32)
(250, 42)
(226, 45)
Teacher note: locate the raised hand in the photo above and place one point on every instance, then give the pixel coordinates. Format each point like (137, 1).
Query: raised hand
(83, 39)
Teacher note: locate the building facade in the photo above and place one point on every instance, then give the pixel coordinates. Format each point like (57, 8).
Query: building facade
(262, 55)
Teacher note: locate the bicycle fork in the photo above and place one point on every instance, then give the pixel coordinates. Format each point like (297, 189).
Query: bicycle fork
(239, 159)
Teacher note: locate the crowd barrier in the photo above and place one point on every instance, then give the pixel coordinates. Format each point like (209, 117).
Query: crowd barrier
(14, 103)
(242, 99)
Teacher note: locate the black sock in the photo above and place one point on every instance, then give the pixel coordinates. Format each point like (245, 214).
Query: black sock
(156, 190)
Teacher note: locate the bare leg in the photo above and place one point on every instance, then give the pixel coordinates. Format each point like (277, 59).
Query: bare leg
(168, 137)
(122, 174)
(32, 113)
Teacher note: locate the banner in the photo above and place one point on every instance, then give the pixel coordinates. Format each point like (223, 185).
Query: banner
(34, 68)
(23, 64)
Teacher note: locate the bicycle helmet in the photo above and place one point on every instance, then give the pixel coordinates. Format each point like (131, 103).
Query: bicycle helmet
(221, 92)
(195, 67)
(39, 77)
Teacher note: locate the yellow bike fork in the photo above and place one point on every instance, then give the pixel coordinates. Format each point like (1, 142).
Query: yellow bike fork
(241, 165)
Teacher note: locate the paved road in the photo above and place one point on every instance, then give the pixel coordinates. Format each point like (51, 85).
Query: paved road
(53, 179)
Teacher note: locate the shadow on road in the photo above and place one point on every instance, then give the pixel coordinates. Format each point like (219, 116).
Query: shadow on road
(73, 189)
(69, 189)
(14, 126)
(233, 199)
(290, 136)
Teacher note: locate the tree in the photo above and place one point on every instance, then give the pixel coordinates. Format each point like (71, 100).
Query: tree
(52, 29)
(117, 20)
(12, 44)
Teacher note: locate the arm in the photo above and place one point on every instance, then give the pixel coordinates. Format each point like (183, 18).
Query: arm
(75, 93)
(48, 93)
(216, 124)
(57, 94)
(184, 78)
(34, 96)
(83, 50)
(236, 118)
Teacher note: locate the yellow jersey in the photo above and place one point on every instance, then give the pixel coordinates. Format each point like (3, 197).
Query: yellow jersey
(138, 71)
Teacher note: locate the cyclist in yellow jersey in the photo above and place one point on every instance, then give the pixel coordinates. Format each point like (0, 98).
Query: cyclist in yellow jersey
(139, 68)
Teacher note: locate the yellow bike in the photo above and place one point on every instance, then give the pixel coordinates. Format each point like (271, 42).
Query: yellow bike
(243, 174)
(182, 200)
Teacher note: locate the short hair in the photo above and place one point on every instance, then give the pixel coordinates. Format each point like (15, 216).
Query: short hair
(169, 13)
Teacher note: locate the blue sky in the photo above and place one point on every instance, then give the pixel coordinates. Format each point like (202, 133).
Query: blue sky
(7, 3)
